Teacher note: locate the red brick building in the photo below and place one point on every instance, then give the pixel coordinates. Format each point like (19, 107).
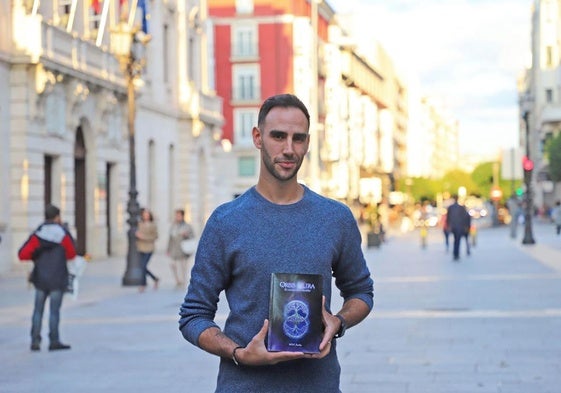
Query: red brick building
(262, 48)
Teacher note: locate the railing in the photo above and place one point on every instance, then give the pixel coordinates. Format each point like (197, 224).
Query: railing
(246, 94)
(551, 114)
(62, 48)
(242, 52)
(57, 49)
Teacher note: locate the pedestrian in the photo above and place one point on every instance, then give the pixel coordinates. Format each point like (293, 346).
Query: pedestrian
(556, 217)
(514, 209)
(459, 222)
(278, 225)
(179, 231)
(50, 247)
(445, 231)
(146, 236)
(467, 236)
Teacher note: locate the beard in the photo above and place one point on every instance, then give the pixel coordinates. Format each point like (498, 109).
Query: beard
(284, 175)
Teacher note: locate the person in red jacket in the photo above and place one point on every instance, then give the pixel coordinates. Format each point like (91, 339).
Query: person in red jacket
(49, 247)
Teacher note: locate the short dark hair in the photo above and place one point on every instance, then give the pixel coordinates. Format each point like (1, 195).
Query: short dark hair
(283, 100)
(51, 212)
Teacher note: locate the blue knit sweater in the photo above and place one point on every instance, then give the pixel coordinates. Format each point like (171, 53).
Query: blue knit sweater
(246, 240)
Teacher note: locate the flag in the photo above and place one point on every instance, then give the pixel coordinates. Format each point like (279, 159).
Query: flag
(145, 16)
(123, 9)
(96, 6)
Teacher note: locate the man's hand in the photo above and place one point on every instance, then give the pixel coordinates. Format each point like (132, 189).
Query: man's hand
(256, 354)
(331, 326)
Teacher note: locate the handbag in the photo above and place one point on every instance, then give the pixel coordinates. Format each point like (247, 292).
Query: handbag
(189, 246)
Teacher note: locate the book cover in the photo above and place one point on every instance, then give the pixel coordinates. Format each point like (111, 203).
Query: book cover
(295, 319)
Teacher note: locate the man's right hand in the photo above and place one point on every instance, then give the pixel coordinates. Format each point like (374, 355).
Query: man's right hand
(256, 353)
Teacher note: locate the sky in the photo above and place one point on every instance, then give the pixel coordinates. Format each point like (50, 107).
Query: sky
(467, 54)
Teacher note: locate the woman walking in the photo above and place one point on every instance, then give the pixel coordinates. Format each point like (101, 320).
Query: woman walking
(146, 236)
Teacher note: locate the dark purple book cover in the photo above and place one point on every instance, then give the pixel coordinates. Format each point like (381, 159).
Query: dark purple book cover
(295, 320)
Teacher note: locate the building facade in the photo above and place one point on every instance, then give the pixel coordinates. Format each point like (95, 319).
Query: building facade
(64, 132)
(264, 48)
(540, 98)
(358, 107)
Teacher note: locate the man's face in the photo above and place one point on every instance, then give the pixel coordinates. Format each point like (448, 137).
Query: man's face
(283, 142)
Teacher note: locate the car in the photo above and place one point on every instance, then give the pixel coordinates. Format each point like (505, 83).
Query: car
(478, 212)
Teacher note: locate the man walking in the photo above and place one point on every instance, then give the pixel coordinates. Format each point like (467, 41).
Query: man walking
(459, 222)
(49, 247)
(556, 217)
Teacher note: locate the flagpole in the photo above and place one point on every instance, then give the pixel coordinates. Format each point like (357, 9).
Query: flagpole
(101, 29)
(71, 16)
(132, 12)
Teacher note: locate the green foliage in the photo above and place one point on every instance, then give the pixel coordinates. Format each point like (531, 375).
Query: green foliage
(553, 150)
(477, 183)
(420, 188)
(455, 179)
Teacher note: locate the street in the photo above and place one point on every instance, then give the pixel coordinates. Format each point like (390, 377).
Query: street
(488, 323)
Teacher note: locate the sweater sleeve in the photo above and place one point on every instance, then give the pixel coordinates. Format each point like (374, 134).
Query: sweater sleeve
(208, 278)
(352, 276)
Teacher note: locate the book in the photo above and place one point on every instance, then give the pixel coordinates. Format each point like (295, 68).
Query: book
(295, 314)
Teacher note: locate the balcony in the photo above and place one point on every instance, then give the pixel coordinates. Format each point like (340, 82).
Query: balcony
(246, 95)
(37, 41)
(245, 53)
(551, 114)
(211, 109)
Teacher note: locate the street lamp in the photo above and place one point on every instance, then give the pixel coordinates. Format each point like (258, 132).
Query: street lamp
(129, 44)
(528, 166)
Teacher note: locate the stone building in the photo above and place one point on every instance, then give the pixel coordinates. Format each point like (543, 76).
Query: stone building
(64, 136)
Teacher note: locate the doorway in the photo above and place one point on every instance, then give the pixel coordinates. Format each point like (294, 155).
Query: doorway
(109, 214)
(80, 191)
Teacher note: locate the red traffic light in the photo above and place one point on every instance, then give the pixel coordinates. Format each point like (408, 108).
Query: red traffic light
(527, 164)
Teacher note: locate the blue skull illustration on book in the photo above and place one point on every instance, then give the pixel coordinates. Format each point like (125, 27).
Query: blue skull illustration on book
(296, 319)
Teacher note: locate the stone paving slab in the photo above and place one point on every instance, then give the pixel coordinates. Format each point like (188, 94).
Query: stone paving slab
(490, 323)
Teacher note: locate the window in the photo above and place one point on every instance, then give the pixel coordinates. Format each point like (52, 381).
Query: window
(95, 17)
(165, 38)
(548, 96)
(48, 181)
(152, 175)
(64, 7)
(244, 43)
(246, 166)
(244, 121)
(245, 83)
(549, 56)
(244, 6)
(55, 112)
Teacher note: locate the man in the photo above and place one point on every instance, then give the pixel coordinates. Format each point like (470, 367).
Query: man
(458, 221)
(556, 217)
(50, 247)
(281, 226)
(179, 231)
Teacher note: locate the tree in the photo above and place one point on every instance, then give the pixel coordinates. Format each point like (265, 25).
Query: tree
(553, 151)
(453, 180)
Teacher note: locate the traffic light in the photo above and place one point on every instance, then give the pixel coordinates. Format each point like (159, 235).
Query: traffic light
(527, 164)
(519, 191)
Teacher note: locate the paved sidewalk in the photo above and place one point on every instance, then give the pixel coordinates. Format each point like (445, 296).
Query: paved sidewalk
(489, 323)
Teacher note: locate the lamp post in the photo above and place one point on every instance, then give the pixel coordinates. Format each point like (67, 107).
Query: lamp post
(128, 44)
(528, 166)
